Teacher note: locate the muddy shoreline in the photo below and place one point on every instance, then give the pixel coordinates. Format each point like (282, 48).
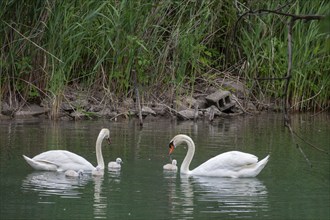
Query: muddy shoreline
(77, 104)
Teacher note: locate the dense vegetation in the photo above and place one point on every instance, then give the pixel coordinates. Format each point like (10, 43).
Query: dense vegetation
(47, 46)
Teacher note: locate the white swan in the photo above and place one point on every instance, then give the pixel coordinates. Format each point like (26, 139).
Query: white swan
(115, 165)
(73, 173)
(230, 164)
(171, 166)
(62, 160)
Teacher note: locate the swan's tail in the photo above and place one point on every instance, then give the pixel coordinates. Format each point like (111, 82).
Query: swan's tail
(260, 165)
(31, 162)
(38, 165)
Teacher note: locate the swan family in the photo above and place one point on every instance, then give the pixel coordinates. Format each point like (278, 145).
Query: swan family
(232, 164)
(229, 164)
(62, 160)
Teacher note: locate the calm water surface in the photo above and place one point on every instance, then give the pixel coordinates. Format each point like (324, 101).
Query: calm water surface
(288, 188)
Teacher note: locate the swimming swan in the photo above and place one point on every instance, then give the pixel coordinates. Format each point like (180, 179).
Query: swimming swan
(171, 166)
(115, 165)
(230, 164)
(73, 173)
(62, 160)
(98, 171)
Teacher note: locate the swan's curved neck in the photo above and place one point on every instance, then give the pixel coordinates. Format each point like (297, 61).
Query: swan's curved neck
(189, 156)
(99, 156)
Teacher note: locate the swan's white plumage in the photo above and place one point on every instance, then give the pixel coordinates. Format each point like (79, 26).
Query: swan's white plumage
(171, 166)
(115, 165)
(62, 160)
(230, 164)
(59, 160)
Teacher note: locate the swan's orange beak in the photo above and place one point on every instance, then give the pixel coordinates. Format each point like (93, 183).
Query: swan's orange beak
(109, 140)
(171, 146)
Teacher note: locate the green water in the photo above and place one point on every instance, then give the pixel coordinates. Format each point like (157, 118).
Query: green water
(287, 188)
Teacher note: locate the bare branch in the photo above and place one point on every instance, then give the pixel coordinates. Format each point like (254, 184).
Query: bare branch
(288, 74)
(286, 104)
(293, 16)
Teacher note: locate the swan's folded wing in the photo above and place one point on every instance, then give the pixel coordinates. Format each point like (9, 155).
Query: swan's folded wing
(239, 160)
(63, 160)
(232, 160)
(41, 165)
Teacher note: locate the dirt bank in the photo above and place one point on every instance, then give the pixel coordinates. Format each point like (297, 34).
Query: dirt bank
(80, 104)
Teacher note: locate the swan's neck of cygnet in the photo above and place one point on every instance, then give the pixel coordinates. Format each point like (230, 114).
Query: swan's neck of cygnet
(99, 156)
(189, 156)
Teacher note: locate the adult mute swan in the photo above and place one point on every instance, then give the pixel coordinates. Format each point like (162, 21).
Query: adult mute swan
(171, 166)
(230, 164)
(115, 165)
(62, 160)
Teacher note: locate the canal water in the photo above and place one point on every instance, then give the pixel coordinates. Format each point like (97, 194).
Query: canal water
(295, 184)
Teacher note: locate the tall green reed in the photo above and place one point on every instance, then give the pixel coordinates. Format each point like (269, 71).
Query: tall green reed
(88, 42)
(47, 46)
(263, 40)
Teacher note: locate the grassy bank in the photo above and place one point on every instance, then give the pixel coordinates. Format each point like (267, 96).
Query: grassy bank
(47, 46)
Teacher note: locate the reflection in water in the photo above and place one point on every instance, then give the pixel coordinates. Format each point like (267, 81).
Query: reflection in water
(234, 196)
(54, 183)
(170, 179)
(114, 175)
(241, 197)
(100, 202)
(187, 126)
(187, 195)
